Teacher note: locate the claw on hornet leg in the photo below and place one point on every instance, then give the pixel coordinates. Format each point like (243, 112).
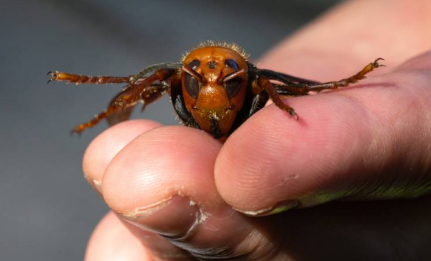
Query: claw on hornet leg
(377, 64)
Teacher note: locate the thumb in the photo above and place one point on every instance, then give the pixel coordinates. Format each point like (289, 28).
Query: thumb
(371, 141)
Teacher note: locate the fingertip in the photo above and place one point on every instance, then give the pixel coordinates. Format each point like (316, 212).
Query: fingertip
(111, 241)
(106, 145)
(160, 164)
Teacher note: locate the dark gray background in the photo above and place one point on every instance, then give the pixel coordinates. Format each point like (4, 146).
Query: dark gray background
(47, 211)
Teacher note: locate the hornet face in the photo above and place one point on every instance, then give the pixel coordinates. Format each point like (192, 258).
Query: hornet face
(214, 82)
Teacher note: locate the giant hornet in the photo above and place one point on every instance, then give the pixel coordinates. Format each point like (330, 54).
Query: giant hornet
(214, 88)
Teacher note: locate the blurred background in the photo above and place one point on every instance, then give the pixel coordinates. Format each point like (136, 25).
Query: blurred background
(47, 209)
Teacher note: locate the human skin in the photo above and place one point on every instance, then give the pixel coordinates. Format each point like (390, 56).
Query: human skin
(350, 149)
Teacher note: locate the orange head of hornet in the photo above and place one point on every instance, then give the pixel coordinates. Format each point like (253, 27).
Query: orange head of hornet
(214, 82)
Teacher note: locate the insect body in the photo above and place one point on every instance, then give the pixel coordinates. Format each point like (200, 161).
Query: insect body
(215, 88)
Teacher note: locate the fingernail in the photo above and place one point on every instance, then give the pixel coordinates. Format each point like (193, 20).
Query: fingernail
(277, 208)
(95, 184)
(174, 217)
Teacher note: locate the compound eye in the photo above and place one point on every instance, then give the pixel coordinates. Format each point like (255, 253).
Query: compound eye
(192, 85)
(231, 64)
(194, 64)
(233, 86)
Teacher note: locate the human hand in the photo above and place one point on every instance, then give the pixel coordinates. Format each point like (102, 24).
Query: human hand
(370, 141)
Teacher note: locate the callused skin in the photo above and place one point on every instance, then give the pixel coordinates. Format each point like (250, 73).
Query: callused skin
(213, 110)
